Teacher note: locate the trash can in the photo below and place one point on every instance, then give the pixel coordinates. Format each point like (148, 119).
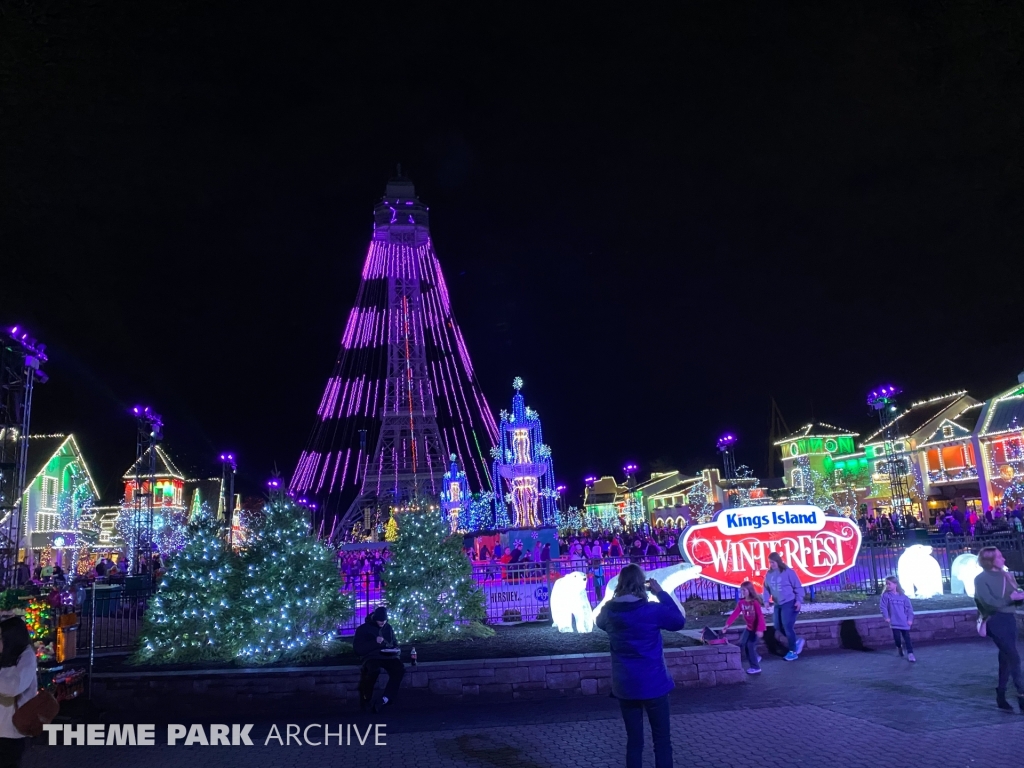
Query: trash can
(67, 644)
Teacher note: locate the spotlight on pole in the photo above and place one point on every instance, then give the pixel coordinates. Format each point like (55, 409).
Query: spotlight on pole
(725, 447)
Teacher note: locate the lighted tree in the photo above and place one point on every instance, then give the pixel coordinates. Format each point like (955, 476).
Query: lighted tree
(278, 597)
(573, 520)
(817, 489)
(291, 598)
(193, 616)
(429, 581)
(699, 500)
(391, 530)
(1013, 494)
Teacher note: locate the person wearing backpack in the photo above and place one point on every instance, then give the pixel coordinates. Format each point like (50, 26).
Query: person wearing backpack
(17, 686)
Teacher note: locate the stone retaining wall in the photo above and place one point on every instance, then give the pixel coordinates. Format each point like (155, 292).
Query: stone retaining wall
(840, 632)
(503, 679)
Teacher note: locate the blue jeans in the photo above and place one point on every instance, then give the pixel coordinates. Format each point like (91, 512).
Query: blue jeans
(1002, 628)
(785, 619)
(748, 642)
(902, 638)
(633, 717)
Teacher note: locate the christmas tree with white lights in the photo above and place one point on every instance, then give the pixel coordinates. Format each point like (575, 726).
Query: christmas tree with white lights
(279, 597)
(291, 600)
(429, 581)
(192, 617)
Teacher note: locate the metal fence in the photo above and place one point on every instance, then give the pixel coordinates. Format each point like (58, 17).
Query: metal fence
(520, 592)
(113, 624)
(878, 558)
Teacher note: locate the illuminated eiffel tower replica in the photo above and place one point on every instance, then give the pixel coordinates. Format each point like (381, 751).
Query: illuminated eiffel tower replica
(403, 397)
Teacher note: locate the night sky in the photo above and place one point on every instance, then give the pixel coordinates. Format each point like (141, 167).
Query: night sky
(658, 221)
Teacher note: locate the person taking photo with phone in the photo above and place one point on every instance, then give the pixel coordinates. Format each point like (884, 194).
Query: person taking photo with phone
(640, 678)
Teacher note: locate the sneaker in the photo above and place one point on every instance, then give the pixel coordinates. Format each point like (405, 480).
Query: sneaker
(900, 650)
(799, 646)
(754, 671)
(792, 656)
(910, 657)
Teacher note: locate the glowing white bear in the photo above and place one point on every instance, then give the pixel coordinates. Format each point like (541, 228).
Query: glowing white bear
(918, 572)
(670, 579)
(962, 574)
(569, 600)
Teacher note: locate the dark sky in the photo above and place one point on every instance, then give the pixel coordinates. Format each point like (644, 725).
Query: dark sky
(658, 221)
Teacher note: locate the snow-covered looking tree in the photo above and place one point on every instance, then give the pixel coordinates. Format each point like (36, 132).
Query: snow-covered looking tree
(429, 582)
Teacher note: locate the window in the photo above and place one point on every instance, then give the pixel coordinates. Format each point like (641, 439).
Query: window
(48, 494)
(947, 431)
(831, 445)
(899, 447)
(839, 477)
(882, 467)
(798, 478)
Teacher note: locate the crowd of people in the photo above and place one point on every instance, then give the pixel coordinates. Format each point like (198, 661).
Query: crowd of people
(363, 569)
(640, 610)
(952, 520)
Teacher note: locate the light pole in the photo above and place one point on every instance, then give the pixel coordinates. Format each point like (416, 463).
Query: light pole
(725, 445)
(561, 498)
(631, 515)
(883, 400)
(227, 461)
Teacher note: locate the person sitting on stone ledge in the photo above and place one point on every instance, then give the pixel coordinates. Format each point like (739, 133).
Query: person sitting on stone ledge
(375, 643)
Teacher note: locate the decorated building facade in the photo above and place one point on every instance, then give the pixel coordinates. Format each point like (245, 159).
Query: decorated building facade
(58, 516)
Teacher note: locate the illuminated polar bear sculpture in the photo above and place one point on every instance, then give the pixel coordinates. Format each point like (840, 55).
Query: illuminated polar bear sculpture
(670, 579)
(569, 601)
(918, 572)
(962, 574)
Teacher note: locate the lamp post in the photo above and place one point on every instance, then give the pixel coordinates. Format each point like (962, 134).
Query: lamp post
(631, 515)
(725, 445)
(883, 400)
(561, 498)
(227, 462)
(149, 432)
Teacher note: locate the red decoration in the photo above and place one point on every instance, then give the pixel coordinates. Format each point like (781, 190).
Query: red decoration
(735, 547)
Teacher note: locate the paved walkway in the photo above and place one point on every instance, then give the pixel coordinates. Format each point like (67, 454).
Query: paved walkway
(841, 710)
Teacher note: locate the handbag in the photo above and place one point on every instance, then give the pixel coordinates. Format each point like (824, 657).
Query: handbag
(38, 711)
(982, 624)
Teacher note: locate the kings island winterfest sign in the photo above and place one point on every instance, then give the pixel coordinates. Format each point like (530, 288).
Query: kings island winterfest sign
(735, 546)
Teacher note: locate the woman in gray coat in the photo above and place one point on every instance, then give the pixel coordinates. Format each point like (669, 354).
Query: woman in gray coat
(787, 593)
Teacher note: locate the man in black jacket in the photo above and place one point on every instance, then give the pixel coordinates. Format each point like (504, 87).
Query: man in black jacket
(375, 642)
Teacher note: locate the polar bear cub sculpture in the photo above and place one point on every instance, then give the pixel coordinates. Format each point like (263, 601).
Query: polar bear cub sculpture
(569, 601)
(670, 579)
(918, 572)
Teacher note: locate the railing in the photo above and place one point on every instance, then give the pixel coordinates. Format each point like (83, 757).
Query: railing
(118, 615)
(520, 592)
(879, 557)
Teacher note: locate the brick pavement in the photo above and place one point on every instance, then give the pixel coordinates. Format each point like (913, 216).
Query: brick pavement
(841, 710)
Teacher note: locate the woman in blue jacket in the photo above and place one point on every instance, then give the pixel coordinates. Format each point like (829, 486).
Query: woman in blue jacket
(640, 678)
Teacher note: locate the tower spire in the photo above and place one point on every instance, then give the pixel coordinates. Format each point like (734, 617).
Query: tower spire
(403, 396)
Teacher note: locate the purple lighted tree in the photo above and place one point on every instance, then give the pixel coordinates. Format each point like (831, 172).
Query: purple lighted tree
(403, 396)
